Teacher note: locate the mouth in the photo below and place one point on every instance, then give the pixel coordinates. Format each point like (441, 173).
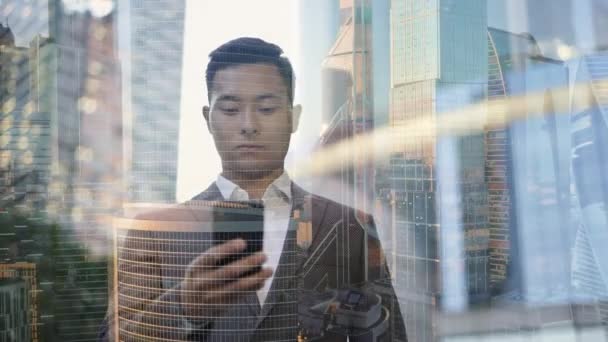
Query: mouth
(249, 147)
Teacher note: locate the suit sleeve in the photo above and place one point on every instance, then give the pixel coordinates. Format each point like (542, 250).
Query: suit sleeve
(380, 280)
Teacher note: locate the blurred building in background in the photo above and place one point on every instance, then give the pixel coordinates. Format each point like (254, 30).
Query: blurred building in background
(355, 77)
(24, 145)
(589, 167)
(513, 149)
(347, 100)
(347, 105)
(155, 29)
(438, 64)
(15, 323)
(62, 156)
(540, 153)
(18, 302)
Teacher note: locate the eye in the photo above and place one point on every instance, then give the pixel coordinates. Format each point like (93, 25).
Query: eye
(267, 110)
(229, 110)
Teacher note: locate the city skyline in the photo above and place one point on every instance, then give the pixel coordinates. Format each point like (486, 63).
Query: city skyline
(64, 161)
(461, 140)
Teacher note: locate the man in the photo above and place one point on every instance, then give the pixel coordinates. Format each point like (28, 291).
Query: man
(251, 117)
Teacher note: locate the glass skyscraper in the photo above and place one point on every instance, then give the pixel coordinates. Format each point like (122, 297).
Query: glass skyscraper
(438, 63)
(348, 102)
(589, 166)
(61, 158)
(18, 302)
(156, 31)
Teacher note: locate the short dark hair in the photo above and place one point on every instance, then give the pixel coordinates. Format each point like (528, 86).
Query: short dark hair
(246, 50)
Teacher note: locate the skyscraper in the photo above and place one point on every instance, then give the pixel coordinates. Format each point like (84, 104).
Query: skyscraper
(355, 95)
(156, 45)
(518, 214)
(91, 157)
(438, 64)
(18, 304)
(589, 165)
(23, 145)
(348, 102)
(14, 320)
(507, 54)
(64, 158)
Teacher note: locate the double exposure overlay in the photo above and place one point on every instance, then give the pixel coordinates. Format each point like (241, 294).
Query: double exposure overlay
(303, 170)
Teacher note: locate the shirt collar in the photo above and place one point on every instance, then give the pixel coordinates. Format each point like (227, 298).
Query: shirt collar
(282, 184)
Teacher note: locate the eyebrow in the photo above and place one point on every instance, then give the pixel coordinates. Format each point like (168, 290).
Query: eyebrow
(228, 98)
(267, 97)
(258, 98)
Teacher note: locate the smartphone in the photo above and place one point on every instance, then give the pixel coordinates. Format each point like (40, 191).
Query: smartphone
(242, 219)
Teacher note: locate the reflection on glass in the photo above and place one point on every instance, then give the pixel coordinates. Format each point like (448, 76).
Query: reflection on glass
(461, 143)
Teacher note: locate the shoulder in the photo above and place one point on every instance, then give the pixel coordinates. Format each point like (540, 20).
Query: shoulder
(189, 210)
(212, 193)
(326, 213)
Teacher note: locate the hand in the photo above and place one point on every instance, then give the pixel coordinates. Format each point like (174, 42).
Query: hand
(207, 290)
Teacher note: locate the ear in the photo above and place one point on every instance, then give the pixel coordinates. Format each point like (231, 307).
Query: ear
(206, 111)
(295, 117)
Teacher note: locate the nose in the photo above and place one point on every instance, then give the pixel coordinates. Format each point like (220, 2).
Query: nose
(249, 124)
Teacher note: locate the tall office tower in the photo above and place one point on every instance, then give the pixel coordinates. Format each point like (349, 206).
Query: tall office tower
(589, 166)
(507, 53)
(438, 64)
(527, 201)
(156, 44)
(92, 156)
(348, 102)
(18, 304)
(355, 95)
(23, 148)
(68, 131)
(15, 324)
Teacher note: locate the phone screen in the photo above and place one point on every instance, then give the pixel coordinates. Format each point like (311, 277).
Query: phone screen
(245, 220)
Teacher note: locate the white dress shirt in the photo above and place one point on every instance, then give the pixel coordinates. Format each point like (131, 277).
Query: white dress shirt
(277, 211)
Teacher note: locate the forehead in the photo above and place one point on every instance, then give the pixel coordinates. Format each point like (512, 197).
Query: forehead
(249, 80)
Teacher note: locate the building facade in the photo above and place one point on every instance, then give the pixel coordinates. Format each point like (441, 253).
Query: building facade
(18, 302)
(62, 160)
(156, 31)
(438, 63)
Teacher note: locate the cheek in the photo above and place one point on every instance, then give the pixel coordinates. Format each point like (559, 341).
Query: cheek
(222, 131)
(222, 141)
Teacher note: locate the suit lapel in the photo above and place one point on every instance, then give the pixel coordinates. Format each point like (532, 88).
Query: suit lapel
(306, 209)
(284, 281)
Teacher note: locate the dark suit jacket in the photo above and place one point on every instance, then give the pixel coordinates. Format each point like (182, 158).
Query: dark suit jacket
(323, 250)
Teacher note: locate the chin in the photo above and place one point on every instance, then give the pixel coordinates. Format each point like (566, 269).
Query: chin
(253, 167)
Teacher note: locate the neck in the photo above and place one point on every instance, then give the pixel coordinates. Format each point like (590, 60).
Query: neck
(254, 183)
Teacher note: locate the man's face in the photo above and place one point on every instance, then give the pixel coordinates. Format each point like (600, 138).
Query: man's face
(250, 118)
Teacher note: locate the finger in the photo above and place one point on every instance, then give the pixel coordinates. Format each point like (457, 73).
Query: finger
(252, 282)
(210, 280)
(231, 293)
(236, 268)
(219, 252)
